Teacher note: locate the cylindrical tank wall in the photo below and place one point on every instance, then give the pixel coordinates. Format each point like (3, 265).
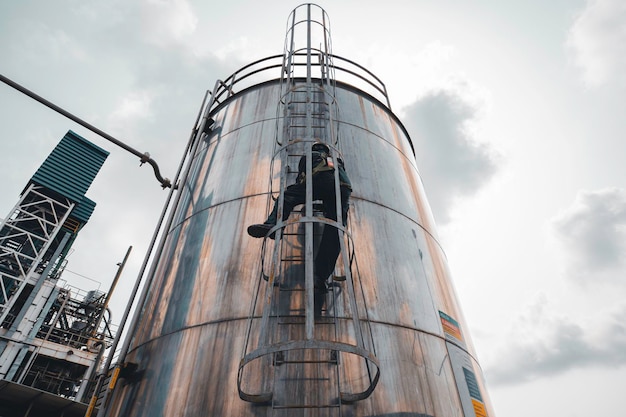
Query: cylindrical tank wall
(190, 336)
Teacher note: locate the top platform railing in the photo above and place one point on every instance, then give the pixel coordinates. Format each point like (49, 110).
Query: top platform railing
(269, 69)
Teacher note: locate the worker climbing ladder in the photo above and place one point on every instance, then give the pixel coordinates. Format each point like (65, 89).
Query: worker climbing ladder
(314, 344)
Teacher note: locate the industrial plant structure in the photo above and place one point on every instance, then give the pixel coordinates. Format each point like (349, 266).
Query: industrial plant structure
(229, 325)
(52, 335)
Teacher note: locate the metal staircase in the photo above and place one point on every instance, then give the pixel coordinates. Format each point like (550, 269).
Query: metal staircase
(306, 350)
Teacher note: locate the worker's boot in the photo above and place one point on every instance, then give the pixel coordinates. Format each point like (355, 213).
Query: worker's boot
(260, 230)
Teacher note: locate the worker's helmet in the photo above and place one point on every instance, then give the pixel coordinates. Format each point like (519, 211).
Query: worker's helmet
(320, 147)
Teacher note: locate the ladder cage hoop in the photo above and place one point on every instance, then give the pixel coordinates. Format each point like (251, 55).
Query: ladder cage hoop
(346, 397)
(253, 305)
(353, 262)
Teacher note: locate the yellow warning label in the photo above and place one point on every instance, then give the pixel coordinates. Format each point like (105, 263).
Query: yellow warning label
(479, 408)
(450, 326)
(451, 329)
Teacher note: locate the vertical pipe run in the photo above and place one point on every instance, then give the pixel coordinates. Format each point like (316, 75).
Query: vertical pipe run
(191, 144)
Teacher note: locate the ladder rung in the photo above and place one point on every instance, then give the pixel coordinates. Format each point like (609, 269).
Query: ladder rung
(283, 362)
(282, 407)
(293, 234)
(299, 319)
(291, 289)
(304, 101)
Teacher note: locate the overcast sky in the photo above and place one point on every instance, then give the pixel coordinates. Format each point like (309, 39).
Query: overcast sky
(519, 107)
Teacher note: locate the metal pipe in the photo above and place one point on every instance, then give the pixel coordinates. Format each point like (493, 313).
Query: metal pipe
(144, 157)
(196, 133)
(120, 268)
(92, 371)
(193, 143)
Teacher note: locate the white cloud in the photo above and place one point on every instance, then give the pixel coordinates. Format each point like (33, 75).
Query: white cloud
(46, 44)
(592, 235)
(435, 65)
(445, 127)
(598, 40)
(240, 46)
(436, 54)
(61, 45)
(543, 343)
(134, 107)
(168, 22)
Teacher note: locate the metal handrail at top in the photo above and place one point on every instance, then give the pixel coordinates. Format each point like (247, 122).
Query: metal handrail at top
(268, 69)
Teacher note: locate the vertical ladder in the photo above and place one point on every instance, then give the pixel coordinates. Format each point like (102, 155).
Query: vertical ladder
(306, 353)
(304, 379)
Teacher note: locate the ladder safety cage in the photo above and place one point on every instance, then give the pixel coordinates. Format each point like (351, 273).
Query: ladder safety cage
(292, 343)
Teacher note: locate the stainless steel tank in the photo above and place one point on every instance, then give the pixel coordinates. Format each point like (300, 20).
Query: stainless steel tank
(208, 302)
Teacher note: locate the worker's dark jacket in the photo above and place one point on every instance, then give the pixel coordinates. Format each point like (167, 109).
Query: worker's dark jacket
(321, 163)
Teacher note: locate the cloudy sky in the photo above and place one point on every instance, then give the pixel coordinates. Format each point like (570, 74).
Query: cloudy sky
(519, 107)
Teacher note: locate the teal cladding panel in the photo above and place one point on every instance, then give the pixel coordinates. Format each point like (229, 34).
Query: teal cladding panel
(82, 211)
(71, 167)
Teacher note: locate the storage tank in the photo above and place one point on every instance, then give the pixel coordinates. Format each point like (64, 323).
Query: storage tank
(230, 325)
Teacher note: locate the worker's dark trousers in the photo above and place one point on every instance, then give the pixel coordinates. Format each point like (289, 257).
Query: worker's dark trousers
(323, 189)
